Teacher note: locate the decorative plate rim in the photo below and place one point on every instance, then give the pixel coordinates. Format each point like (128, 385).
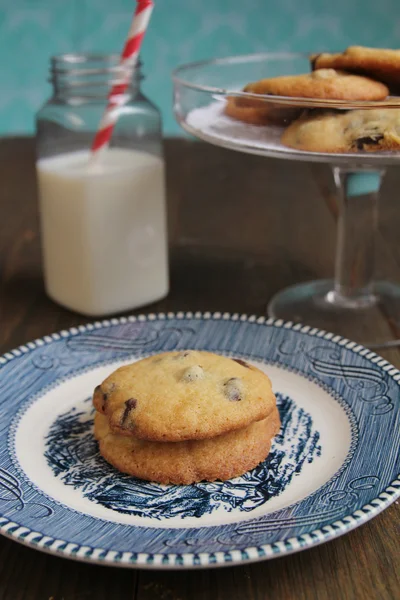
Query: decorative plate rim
(30, 538)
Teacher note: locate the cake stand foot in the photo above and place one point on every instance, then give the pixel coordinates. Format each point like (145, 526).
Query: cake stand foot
(317, 304)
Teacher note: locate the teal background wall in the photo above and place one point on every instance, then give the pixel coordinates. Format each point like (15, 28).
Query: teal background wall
(180, 31)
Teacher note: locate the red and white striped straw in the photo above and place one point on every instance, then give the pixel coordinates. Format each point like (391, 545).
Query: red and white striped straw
(129, 58)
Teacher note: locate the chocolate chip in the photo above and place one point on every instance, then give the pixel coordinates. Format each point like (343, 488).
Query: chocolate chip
(183, 354)
(98, 390)
(233, 389)
(242, 362)
(313, 61)
(129, 406)
(110, 388)
(193, 373)
(375, 139)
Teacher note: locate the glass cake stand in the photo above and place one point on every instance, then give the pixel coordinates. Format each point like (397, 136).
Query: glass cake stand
(353, 299)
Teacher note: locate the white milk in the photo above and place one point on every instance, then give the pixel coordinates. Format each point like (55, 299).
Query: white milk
(103, 230)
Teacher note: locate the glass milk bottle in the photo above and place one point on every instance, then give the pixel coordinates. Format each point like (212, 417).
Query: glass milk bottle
(103, 225)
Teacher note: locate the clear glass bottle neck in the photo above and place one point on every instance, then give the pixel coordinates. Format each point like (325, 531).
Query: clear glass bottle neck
(86, 77)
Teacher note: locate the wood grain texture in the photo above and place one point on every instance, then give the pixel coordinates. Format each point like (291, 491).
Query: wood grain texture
(241, 228)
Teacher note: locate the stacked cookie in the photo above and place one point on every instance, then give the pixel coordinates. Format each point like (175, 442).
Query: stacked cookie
(358, 74)
(378, 63)
(182, 417)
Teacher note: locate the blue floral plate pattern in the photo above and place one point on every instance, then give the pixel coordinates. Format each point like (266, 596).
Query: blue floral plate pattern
(333, 465)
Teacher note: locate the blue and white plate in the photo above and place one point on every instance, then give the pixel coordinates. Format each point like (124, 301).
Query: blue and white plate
(333, 466)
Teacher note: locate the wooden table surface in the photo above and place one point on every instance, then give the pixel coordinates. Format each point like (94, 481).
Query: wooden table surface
(241, 228)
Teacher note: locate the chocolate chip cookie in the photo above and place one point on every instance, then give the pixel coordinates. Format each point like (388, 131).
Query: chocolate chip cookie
(187, 395)
(379, 63)
(352, 131)
(323, 84)
(221, 457)
(259, 112)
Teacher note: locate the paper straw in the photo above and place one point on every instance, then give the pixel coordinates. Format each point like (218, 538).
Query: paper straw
(117, 96)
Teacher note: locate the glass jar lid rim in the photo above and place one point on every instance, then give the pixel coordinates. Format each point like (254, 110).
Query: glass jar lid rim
(90, 63)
